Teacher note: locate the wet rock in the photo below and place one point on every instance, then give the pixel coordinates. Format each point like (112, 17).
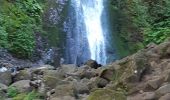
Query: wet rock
(6, 78)
(92, 64)
(23, 86)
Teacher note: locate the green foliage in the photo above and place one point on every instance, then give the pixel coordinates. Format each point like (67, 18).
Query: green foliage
(147, 19)
(157, 35)
(19, 20)
(22, 42)
(3, 38)
(31, 96)
(12, 91)
(23, 96)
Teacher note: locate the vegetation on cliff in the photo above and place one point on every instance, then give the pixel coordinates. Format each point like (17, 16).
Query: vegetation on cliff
(141, 22)
(19, 20)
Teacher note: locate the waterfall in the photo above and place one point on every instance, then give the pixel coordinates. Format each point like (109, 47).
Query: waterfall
(85, 35)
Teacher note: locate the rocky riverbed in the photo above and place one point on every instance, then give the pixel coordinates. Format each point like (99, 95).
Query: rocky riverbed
(141, 76)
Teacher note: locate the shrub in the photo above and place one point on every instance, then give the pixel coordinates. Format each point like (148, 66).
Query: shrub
(12, 92)
(3, 38)
(22, 42)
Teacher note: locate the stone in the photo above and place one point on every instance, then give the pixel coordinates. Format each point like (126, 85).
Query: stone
(3, 87)
(51, 81)
(63, 98)
(80, 88)
(149, 95)
(23, 86)
(68, 69)
(165, 97)
(163, 90)
(107, 74)
(102, 82)
(106, 94)
(86, 73)
(3, 90)
(35, 83)
(64, 90)
(22, 75)
(54, 73)
(41, 69)
(92, 64)
(143, 96)
(6, 78)
(155, 83)
(45, 67)
(167, 77)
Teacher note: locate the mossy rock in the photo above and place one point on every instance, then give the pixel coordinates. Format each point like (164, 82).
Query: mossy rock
(106, 94)
(51, 81)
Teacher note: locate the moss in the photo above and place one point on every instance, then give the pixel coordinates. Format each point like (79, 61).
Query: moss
(20, 96)
(50, 81)
(106, 94)
(23, 96)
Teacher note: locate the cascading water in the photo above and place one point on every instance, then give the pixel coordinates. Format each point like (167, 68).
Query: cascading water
(92, 11)
(85, 35)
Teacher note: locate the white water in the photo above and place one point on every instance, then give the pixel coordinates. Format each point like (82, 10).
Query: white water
(91, 11)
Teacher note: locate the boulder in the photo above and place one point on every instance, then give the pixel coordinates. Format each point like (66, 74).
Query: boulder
(143, 96)
(107, 74)
(155, 83)
(41, 69)
(63, 98)
(106, 94)
(102, 82)
(80, 88)
(51, 81)
(64, 90)
(3, 90)
(52, 78)
(3, 87)
(92, 64)
(6, 78)
(22, 86)
(86, 72)
(163, 90)
(68, 69)
(165, 97)
(22, 75)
